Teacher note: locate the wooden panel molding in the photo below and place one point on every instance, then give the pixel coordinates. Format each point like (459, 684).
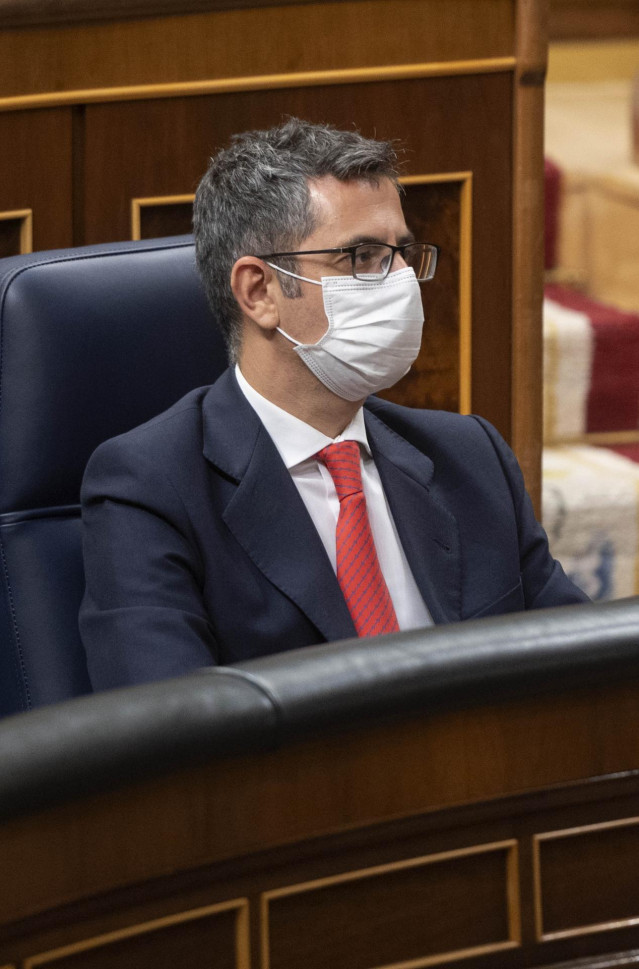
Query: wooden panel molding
(161, 215)
(363, 896)
(186, 938)
(438, 209)
(614, 960)
(470, 896)
(586, 879)
(528, 236)
(225, 85)
(16, 232)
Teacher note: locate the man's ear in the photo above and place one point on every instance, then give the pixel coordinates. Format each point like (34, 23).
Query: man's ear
(253, 284)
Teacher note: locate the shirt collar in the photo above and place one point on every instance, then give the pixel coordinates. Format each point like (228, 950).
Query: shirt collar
(295, 440)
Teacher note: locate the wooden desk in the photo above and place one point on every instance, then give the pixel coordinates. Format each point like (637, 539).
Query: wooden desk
(471, 800)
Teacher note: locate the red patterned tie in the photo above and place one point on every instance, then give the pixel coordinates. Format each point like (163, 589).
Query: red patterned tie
(358, 570)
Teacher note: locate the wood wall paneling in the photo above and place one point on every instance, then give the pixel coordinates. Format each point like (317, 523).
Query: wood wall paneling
(359, 898)
(258, 41)
(453, 905)
(593, 19)
(568, 18)
(36, 173)
(588, 879)
(164, 215)
(16, 232)
(438, 209)
(611, 960)
(15, 13)
(185, 938)
(528, 244)
(233, 808)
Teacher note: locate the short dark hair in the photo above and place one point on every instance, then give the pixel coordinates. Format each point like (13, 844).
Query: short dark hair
(255, 198)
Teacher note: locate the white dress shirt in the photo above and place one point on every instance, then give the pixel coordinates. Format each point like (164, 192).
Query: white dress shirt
(297, 444)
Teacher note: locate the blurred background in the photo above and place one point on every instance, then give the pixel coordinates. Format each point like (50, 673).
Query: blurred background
(591, 310)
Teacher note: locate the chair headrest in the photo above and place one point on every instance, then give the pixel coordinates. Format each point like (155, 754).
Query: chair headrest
(92, 342)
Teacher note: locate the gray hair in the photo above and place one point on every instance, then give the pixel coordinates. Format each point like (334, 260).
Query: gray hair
(255, 198)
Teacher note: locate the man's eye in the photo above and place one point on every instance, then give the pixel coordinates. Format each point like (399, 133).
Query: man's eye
(367, 256)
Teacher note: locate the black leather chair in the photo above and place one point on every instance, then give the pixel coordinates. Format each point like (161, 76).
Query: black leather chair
(92, 342)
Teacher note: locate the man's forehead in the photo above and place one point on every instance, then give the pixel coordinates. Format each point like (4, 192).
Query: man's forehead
(353, 204)
(329, 187)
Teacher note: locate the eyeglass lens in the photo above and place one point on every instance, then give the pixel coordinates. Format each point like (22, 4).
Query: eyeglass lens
(372, 260)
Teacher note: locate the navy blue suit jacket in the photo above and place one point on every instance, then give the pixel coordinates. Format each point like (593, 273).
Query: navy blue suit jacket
(198, 548)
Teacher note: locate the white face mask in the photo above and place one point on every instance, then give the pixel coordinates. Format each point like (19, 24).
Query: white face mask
(374, 332)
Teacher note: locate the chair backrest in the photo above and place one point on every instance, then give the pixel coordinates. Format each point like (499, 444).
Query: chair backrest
(92, 342)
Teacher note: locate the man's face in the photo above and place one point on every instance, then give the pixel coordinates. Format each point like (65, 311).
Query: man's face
(348, 213)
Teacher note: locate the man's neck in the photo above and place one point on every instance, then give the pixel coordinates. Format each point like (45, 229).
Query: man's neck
(307, 399)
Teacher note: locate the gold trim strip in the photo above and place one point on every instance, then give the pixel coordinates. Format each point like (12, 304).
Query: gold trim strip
(465, 275)
(587, 828)
(241, 933)
(361, 873)
(537, 902)
(25, 216)
(512, 900)
(540, 935)
(465, 296)
(229, 85)
(590, 929)
(138, 204)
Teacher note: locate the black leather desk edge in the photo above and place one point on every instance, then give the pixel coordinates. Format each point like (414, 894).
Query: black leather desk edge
(99, 742)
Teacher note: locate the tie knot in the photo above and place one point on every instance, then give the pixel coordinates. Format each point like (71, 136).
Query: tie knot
(342, 461)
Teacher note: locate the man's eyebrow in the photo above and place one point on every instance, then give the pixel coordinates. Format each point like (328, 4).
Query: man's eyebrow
(404, 240)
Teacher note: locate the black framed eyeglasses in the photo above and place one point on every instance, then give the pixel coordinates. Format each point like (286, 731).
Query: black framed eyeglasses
(372, 261)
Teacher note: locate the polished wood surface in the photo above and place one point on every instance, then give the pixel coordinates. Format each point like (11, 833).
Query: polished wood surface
(439, 838)
(468, 894)
(602, 857)
(593, 19)
(16, 13)
(253, 42)
(19, 13)
(528, 243)
(36, 174)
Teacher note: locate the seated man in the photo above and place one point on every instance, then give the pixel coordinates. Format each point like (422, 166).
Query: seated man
(284, 506)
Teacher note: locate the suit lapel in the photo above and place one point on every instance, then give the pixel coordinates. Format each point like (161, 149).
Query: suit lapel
(266, 514)
(428, 532)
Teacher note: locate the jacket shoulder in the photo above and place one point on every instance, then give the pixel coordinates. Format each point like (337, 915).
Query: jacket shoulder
(173, 428)
(422, 426)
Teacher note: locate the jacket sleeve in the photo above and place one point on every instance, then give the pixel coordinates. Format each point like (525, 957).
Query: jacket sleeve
(544, 581)
(142, 617)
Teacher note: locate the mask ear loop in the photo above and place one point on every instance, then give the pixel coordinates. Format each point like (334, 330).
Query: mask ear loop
(295, 276)
(286, 272)
(289, 338)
